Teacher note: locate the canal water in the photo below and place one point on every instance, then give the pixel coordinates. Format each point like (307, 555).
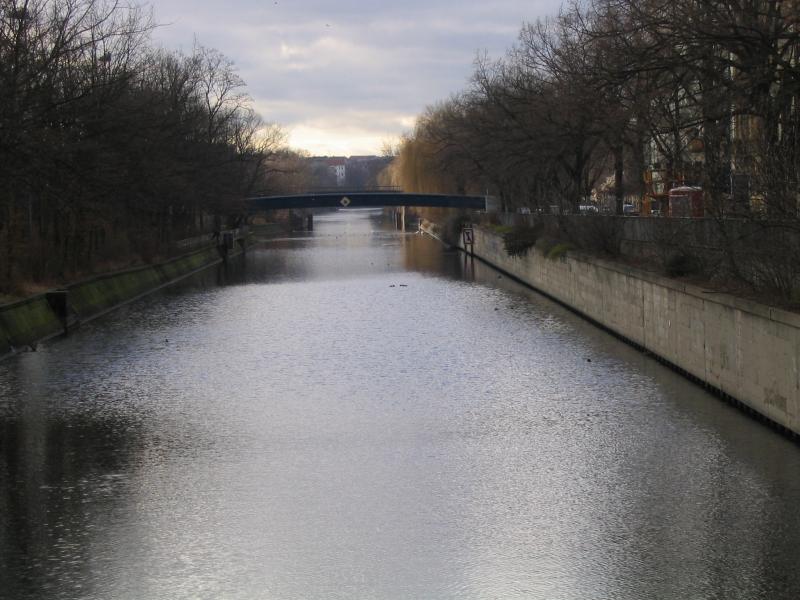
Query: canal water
(358, 413)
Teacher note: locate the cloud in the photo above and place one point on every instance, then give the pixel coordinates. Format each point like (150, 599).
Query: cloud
(351, 73)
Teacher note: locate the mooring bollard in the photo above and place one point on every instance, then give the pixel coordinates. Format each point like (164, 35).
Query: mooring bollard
(59, 303)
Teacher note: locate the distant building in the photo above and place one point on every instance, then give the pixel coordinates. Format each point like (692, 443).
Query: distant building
(354, 172)
(337, 166)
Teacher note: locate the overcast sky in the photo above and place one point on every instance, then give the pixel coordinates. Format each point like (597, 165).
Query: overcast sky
(344, 76)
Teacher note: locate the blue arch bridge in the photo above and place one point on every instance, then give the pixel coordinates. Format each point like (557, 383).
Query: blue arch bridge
(364, 199)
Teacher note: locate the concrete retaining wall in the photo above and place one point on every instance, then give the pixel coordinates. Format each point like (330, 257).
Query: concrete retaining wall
(29, 321)
(745, 350)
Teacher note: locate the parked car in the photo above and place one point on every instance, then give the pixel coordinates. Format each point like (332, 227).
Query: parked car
(629, 210)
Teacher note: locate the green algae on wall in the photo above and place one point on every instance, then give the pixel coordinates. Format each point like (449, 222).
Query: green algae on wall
(94, 297)
(24, 323)
(97, 296)
(190, 263)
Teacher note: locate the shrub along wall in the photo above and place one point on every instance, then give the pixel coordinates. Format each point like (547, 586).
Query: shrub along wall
(761, 255)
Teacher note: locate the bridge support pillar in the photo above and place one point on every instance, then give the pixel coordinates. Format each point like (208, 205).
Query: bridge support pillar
(310, 222)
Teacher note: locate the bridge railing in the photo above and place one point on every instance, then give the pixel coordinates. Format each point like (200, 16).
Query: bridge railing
(344, 199)
(216, 238)
(188, 244)
(348, 190)
(336, 190)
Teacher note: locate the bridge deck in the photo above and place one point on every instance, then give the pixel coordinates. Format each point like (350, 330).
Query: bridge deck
(366, 200)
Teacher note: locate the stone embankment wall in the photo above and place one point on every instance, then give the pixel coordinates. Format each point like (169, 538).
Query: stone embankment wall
(745, 351)
(25, 323)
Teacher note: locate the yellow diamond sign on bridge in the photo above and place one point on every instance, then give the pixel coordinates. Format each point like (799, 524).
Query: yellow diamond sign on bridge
(345, 201)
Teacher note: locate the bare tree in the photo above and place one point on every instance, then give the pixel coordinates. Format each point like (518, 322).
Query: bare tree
(111, 149)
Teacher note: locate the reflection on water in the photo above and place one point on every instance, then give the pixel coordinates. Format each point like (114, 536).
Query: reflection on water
(351, 415)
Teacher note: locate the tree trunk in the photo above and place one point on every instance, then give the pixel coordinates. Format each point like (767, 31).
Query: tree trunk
(619, 184)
